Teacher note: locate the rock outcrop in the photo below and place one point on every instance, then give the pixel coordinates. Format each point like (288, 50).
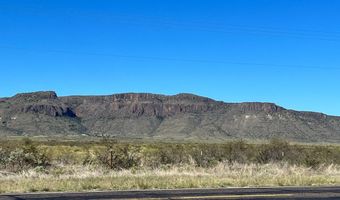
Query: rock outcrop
(143, 115)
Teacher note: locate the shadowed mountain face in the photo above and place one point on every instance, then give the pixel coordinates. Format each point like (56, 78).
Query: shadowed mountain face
(182, 116)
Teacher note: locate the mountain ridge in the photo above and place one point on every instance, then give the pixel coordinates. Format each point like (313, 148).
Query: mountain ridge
(146, 115)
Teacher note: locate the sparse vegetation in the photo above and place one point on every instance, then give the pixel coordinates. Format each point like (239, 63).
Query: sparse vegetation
(27, 165)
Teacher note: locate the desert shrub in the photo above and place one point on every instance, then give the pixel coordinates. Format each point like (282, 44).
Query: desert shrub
(299, 154)
(208, 155)
(38, 158)
(19, 160)
(202, 159)
(205, 155)
(3, 158)
(320, 155)
(125, 157)
(119, 157)
(18, 155)
(157, 155)
(237, 151)
(172, 154)
(66, 155)
(25, 157)
(16, 160)
(276, 151)
(150, 156)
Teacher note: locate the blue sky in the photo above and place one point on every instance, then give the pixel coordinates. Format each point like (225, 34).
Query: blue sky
(280, 51)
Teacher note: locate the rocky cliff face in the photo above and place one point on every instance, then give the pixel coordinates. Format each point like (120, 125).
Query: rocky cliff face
(34, 96)
(138, 115)
(45, 103)
(137, 105)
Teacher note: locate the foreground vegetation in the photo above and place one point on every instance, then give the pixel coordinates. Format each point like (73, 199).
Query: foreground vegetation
(28, 166)
(84, 178)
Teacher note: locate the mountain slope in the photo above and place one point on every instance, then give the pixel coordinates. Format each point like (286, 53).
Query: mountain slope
(142, 115)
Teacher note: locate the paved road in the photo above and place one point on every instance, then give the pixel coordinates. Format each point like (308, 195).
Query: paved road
(195, 194)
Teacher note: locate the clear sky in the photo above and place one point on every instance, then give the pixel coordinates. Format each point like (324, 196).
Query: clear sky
(281, 51)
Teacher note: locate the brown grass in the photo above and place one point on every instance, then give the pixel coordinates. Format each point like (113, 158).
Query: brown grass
(89, 178)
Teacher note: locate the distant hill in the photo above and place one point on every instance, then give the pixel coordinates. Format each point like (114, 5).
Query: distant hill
(142, 115)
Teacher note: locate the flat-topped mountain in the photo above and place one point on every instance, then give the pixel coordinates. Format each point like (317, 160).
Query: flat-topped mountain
(144, 115)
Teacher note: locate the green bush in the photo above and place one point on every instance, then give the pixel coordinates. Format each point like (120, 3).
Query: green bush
(21, 155)
(119, 157)
(276, 151)
(238, 151)
(3, 158)
(23, 158)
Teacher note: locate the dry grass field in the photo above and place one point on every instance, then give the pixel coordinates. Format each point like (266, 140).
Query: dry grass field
(95, 178)
(32, 166)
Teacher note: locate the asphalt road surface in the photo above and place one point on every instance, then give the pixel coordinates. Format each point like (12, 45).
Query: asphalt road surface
(229, 193)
